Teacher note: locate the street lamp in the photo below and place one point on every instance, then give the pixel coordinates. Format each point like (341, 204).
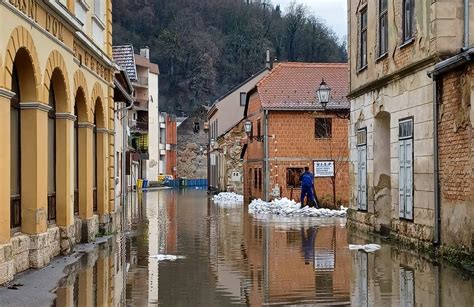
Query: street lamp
(248, 127)
(323, 94)
(213, 142)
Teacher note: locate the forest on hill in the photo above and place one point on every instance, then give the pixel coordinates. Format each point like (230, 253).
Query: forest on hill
(206, 47)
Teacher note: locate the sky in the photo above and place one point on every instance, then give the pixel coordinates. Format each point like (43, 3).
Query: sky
(334, 12)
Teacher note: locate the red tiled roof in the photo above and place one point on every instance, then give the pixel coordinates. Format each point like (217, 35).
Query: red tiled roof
(294, 85)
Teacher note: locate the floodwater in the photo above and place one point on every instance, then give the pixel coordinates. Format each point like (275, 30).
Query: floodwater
(226, 256)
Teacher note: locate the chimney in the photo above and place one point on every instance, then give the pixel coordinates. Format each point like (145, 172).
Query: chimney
(268, 62)
(145, 52)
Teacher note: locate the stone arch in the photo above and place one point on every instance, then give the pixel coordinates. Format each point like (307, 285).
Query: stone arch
(80, 97)
(97, 104)
(21, 44)
(1, 65)
(56, 72)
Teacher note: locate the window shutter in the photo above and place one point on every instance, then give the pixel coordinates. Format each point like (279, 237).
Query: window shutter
(409, 179)
(401, 179)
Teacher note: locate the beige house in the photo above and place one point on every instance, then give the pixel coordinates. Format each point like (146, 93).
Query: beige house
(225, 167)
(393, 46)
(56, 129)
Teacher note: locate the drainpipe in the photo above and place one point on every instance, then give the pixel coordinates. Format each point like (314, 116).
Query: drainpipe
(466, 24)
(436, 240)
(266, 168)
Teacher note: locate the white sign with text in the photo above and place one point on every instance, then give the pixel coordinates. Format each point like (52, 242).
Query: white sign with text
(323, 168)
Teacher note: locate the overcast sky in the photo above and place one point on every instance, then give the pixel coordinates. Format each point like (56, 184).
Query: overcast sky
(334, 12)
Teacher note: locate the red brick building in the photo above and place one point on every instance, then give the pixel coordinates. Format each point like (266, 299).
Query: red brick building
(291, 130)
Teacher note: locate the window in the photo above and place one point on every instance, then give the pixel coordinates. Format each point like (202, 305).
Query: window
(259, 128)
(98, 9)
(408, 20)
(255, 178)
(405, 136)
(260, 181)
(407, 287)
(243, 98)
(383, 27)
(363, 38)
(196, 127)
(323, 128)
(293, 177)
(362, 169)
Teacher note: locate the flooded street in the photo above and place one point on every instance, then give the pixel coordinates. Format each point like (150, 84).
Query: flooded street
(183, 250)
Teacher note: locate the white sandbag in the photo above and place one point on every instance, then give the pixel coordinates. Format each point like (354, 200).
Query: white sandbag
(287, 207)
(366, 247)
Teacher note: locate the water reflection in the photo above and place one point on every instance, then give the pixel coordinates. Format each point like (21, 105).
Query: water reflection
(232, 257)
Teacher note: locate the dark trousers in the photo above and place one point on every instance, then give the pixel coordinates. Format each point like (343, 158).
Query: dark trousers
(307, 192)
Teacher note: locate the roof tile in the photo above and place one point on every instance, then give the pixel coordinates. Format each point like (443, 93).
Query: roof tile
(294, 85)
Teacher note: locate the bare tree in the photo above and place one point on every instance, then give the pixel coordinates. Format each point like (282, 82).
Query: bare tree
(337, 147)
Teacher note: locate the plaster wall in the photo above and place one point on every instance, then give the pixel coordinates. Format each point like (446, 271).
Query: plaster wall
(153, 128)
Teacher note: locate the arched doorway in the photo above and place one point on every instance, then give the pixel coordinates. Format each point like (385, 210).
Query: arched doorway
(23, 84)
(52, 155)
(59, 148)
(15, 155)
(100, 165)
(81, 152)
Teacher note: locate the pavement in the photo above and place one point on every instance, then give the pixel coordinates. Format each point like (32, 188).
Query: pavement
(37, 286)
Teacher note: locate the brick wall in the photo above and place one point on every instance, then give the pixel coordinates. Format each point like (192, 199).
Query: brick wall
(456, 159)
(455, 139)
(292, 143)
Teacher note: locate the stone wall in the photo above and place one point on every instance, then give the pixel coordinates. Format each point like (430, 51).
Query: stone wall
(191, 162)
(379, 112)
(230, 145)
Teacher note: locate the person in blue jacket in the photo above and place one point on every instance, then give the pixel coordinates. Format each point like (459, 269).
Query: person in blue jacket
(307, 187)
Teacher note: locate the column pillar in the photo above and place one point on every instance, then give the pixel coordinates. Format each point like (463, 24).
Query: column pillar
(102, 175)
(86, 207)
(34, 167)
(65, 179)
(102, 280)
(5, 97)
(85, 131)
(86, 287)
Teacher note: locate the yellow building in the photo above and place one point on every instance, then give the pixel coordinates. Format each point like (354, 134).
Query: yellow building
(56, 128)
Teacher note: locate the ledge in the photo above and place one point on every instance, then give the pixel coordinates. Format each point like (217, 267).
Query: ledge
(6, 93)
(406, 43)
(67, 116)
(35, 106)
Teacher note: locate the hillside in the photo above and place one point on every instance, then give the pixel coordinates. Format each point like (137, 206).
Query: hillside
(205, 47)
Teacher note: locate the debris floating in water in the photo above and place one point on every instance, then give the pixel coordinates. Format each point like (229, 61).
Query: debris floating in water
(161, 257)
(366, 247)
(287, 207)
(226, 198)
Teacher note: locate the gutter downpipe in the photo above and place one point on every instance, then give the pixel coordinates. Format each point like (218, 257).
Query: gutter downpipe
(265, 156)
(436, 239)
(466, 24)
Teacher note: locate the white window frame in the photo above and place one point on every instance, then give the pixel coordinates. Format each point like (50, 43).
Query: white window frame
(406, 174)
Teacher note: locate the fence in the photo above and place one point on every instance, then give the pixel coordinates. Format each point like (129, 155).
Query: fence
(186, 183)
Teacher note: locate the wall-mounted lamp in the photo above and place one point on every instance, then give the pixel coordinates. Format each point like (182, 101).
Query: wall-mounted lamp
(248, 130)
(323, 93)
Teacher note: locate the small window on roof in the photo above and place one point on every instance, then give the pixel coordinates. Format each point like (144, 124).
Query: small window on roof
(243, 98)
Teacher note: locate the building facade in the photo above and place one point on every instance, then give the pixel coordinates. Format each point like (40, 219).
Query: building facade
(144, 115)
(291, 129)
(393, 48)
(192, 141)
(57, 124)
(223, 117)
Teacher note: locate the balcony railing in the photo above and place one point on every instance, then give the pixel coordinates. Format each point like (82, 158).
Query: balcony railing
(142, 81)
(141, 104)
